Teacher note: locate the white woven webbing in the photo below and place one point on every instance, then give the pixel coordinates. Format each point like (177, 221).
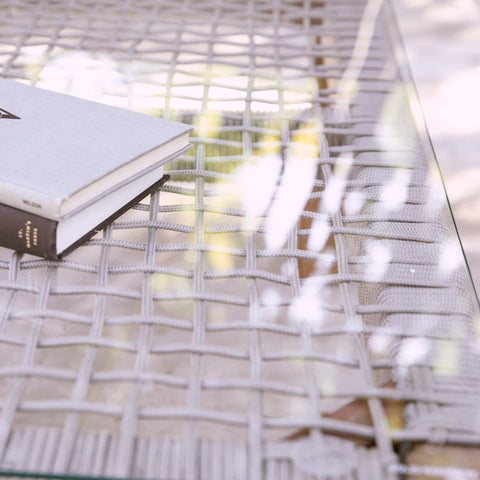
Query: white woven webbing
(298, 258)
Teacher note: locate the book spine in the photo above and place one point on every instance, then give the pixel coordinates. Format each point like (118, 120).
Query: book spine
(27, 232)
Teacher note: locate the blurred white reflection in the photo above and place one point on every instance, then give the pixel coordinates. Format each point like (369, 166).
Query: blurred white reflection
(294, 190)
(271, 300)
(379, 344)
(137, 85)
(334, 193)
(353, 203)
(394, 193)
(348, 84)
(257, 184)
(331, 202)
(308, 307)
(379, 258)
(292, 195)
(451, 257)
(413, 351)
(82, 74)
(319, 234)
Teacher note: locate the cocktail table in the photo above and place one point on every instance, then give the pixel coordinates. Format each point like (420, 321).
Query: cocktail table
(301, 258)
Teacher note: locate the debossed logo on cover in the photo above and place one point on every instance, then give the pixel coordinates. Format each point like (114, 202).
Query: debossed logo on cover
(5, 114)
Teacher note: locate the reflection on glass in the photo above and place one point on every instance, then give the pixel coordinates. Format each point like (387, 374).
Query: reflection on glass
(302, 260)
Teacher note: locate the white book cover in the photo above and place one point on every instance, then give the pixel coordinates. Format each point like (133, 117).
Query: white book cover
(61, 153)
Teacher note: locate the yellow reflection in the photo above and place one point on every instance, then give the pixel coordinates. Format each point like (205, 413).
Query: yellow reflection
(447, 358)
(217, 313)
(328, 382)
(34, 57)
(162, 283)
(220, 261)
(395, 130)
(209, 123)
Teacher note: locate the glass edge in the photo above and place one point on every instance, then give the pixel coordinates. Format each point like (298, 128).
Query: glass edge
(398, 47)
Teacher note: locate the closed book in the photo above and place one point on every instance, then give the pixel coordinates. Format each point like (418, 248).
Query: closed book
(51, 239)
(74, 162)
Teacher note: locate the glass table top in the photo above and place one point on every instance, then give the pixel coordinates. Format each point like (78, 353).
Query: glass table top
(293, 303)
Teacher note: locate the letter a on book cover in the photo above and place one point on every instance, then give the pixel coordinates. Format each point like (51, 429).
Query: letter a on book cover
(5, 114)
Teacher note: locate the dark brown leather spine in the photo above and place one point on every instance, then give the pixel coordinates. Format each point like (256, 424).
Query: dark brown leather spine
(27, 232)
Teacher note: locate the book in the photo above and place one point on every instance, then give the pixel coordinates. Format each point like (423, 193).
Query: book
(69, 166)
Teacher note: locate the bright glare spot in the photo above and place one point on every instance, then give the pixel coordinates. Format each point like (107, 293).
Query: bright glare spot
(413, 351)
(319, 234)
(333, 194)
(394, 194)
(451, 256)
(257, 184)
(224, 93)
(335, 187)
(379, 344)
(354, 202)
(348, 84)
(307, 307)
(294, 190)
(271, 299)
(379, 258)
(190, 91)
(82, 74)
